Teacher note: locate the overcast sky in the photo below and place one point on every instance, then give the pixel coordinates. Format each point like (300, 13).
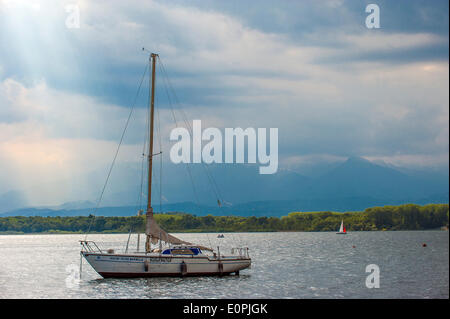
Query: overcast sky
(312, 69)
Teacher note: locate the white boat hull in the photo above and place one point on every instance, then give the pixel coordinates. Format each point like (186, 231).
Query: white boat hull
(158, 265)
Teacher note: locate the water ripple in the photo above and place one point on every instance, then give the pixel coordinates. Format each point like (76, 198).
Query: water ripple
(284, 265)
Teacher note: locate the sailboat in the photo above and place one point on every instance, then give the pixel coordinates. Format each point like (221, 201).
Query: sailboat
(180, 258)
(342, 229)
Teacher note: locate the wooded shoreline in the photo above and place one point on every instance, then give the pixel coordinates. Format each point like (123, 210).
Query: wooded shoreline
(402, 217)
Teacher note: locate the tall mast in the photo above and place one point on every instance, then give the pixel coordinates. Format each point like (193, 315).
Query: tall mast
(150, 150)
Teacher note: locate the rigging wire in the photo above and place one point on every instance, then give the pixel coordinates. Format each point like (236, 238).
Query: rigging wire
(158, 130)
(211, 179)
(117, 150)
(143, 166)
(176, 125)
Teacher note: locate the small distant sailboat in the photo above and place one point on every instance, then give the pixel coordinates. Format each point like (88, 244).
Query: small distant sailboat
(342, 229)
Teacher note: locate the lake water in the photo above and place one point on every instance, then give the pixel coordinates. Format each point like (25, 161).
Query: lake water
(284, 265)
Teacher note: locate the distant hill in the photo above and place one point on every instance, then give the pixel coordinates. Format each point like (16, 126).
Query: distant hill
(11, 200)
(348, 186)
(241, 183)
(276, 208)
(81, 204)
(358, 177)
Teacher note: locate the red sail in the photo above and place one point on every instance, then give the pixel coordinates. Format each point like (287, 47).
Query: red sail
(344, 230)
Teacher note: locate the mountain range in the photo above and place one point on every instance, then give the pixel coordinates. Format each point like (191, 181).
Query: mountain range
(352, 185)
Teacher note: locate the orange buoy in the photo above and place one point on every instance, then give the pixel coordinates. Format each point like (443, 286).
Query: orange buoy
(424, 245)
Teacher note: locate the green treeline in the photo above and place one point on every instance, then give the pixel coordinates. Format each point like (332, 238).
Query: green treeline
(403, 217)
